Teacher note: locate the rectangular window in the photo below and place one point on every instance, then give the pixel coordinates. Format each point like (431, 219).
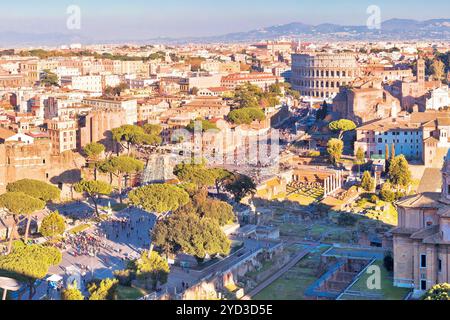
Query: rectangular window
(423, 285)
(423, 260)
(439, 265)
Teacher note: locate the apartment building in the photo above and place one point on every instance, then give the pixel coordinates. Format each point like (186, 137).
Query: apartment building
(409, 134)
(129, 105)
(260, 79)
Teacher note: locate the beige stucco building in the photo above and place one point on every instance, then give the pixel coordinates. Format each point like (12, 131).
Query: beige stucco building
(422, 238)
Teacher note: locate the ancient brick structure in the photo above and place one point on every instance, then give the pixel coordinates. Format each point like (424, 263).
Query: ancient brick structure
(320, 75)
(422, 238)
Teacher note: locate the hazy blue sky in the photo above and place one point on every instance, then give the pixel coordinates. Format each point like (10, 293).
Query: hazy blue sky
(108, 19)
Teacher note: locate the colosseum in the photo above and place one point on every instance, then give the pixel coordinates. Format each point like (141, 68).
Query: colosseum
(321, 74)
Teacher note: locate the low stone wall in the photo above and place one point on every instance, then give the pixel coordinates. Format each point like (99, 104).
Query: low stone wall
(212, 286)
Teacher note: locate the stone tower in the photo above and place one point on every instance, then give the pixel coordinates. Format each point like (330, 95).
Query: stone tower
(421, 71)
(446, 180)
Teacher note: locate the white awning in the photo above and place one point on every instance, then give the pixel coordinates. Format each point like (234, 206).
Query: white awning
(54, 278)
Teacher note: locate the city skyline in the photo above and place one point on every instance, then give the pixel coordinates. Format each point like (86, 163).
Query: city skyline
(235, 151)
(112, 20)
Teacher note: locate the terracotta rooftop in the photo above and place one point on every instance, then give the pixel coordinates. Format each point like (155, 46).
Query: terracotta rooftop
(5, 133)
(423, 200)
(414, 120)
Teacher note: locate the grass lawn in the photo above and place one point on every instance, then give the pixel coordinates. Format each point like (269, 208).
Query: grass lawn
(129, 293)
(293, 284)
(118, 207)
(293, 229)
(301, 199)
(387, 291)
(281, 196)
(266, 265)
(80, 228)
(390, 216)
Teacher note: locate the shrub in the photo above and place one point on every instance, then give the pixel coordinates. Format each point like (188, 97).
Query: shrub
(367, 182)
(347, 219)
(387, 195)
(313, 154)
(438, 292)
(361, 202)
(246, 115)
(103, 290)
(125, 277)
(399, 195)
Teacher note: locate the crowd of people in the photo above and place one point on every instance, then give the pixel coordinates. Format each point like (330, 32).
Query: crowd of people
(128, 229)
(84, 244)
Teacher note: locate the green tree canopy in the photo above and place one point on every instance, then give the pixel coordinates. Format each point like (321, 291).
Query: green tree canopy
(386, 193)
(117, 90)
(152, 268)
(194, 173)
(240, 186)
(205, 125)
(121, 166)
(17, 204)
(438, 68)
(367, 182)
(94, 150)
(93, 189)
(35, 188)
(72, 293)
(342, 126)
(159, 198)
(399, 172)
(190, 234)
(105, 290)
(252, 96)
(335, 148)
(246, 115)
(205, 207)
(27, 263)
(128, 135)
(53, 225)
(221, 176)
(49, 78)
(152, 129)
(216, 210)
(360, 156)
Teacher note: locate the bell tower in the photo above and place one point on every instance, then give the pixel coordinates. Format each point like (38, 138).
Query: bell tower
(446, 180)
(421, 71)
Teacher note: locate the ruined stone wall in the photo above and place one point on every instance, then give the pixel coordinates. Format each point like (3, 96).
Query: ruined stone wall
(97, 126)
(35, 161)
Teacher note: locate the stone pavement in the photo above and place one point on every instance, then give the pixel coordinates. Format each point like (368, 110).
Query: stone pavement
(119, 246)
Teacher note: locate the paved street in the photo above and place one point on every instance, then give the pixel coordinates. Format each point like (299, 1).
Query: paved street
(119, 242)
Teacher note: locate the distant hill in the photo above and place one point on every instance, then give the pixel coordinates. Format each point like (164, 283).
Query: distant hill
(394, 29)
